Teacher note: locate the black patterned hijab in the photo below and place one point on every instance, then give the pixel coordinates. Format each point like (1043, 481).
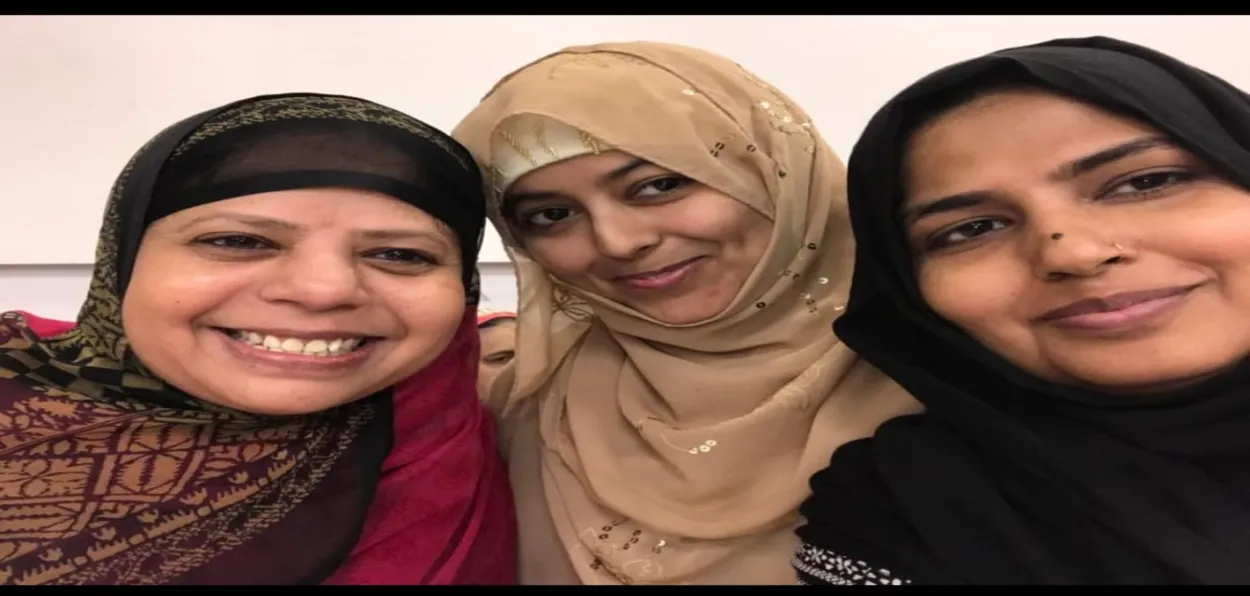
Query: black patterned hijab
(110, 476)
(1008, 479)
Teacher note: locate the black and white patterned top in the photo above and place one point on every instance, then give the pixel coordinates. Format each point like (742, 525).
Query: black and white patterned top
(819, 567)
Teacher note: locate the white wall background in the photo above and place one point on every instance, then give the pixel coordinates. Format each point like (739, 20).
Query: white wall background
(82, 93)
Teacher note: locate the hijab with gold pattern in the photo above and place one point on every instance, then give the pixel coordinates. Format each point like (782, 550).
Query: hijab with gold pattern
(694, 443)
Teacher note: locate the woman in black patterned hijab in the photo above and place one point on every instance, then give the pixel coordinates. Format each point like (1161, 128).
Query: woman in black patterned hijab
(272, 379)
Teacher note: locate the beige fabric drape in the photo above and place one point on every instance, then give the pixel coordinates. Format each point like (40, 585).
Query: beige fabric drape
(648, 453)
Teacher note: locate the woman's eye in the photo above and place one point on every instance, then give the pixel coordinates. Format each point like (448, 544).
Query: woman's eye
(661, 186)
(964, 232)
(498, 357)
(547, 217)
(1145, 184)
(236, 242)
(405, 256)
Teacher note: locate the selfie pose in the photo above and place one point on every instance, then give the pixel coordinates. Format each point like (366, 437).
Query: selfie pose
(681, 242)
(272, 380)
(1054, 258)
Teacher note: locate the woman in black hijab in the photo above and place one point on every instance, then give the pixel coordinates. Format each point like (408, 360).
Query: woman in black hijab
(1054, 257)
(272, 380)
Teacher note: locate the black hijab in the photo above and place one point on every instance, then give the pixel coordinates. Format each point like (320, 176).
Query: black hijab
(1008, 479)
(124, 479)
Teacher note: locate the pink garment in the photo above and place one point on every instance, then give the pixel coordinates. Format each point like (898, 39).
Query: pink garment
(443, 513)
(486, 316)
(45, 327)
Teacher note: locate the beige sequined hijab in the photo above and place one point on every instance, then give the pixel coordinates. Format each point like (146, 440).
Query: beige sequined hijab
(674, 453)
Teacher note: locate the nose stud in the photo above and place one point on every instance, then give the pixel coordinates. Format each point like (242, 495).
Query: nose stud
(1056, 236)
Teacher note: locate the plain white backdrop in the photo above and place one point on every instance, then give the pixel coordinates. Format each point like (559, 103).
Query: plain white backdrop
(82, 93)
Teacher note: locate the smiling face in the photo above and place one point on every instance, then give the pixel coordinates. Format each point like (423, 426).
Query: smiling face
(1023, 206)
(638, 234)
(295, 301)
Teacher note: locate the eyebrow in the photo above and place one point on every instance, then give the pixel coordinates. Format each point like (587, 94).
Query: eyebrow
(385, 235)
(945, 204)
(251, 220)
(278, 224)
(1097, 160)
(616, 174)
(1067, 171)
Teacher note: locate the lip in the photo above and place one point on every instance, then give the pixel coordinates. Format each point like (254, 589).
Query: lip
(661, 278)
(295, 364)
(1120, 311)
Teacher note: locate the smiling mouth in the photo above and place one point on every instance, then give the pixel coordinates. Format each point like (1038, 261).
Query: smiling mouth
(657, 273)
(1115, 302)
(1118, 314)
(317, 347)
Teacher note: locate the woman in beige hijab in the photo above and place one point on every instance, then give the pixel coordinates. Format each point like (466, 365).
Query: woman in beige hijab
(681, 241)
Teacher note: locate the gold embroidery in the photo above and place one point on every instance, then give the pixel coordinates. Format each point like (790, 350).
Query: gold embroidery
(516, 145)
(628, 558)
(705, 447)
(541, 139)
(595, 145)
(571, 306)
(595, 60)
(783, 114)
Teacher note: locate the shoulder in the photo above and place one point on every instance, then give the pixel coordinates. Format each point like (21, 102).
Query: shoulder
(509, 415)
(851, 522)
(860, 518)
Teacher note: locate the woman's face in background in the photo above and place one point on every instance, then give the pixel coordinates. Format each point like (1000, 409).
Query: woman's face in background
(295, 301)
(1084, 247)
(635, 233)
(498, 349)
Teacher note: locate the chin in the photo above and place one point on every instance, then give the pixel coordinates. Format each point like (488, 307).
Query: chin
(683, 310)
(287, 398)
(679, 316)
(1145, 379)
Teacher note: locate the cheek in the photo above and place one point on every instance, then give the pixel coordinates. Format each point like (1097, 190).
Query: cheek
(566, 255)
(1206, 235)
(716, 218)
(979, 297)
(1215, 236)
(169, 292)
(430, 307)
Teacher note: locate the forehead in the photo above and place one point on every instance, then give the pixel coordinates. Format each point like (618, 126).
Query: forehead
(498, 334)
(575, 170)
(501, 323)
(320, 208)
(1017, 130)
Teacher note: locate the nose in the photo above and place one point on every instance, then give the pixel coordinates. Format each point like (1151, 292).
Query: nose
(1076, 250)
(622, 232)
(315, 279)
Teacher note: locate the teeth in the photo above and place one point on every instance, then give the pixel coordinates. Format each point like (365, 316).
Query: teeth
(292, 345)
